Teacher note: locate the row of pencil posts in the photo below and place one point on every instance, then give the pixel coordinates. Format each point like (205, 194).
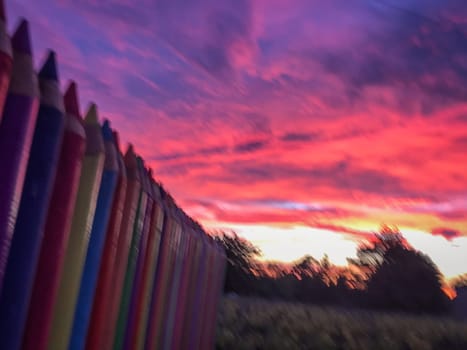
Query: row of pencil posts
(94, 254)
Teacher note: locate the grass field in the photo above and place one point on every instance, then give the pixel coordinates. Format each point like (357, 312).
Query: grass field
(256, 324)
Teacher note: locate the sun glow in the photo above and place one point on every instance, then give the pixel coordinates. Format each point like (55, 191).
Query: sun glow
(288, 243)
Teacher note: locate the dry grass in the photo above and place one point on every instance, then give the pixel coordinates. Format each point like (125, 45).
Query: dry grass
(254, 324)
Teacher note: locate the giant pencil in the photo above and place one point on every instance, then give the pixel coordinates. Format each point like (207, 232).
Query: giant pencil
(182, 300)
(150, 269)
(96, 242)
(194, 277)
(57, 227)
(16, 132)
(177, 282)
(139, 278)
(217, 291)
(104, 284)
(83, 217)
(163, 312)
(164, 276)
(164, 308)
(160, 275)
(37, 191)
(200, 290)
(124, 243)
(206, 300)
(206, 297)
(6, 60)
(211, 302)
(132, 260)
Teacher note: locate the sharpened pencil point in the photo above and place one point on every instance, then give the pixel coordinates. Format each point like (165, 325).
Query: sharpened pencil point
(2, 11)
(49, 68)
(91, 115)
(71, 100)
(21, 40)
(116, 139)
(107, 133)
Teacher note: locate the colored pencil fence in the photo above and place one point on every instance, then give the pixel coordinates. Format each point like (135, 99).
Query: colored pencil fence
(94, 253)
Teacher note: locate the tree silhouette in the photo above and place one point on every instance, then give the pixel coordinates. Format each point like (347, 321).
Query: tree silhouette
(307, 266)
(459, 281)
(401, 278)
(460, 303)
(370, 255)
(395, 277)
(241, 265)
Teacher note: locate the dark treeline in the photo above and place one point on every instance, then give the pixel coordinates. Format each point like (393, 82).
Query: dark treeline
(388, 274)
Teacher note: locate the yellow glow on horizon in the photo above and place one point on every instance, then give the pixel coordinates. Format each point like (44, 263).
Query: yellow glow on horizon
(449, 256)
(288, 243)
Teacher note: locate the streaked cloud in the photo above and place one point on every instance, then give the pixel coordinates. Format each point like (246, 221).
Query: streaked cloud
(318, 116)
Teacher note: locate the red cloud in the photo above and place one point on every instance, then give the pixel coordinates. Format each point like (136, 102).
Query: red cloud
(447, 233)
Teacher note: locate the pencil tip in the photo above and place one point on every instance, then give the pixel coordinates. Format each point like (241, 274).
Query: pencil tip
(21, 40)
(91, 115)
(130, 159)
(130, 150)
(49, 68)
(116, 139)
(71, 100)
(107, 133)
(2, 11)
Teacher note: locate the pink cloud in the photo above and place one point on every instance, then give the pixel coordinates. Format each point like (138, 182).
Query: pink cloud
(357, 107)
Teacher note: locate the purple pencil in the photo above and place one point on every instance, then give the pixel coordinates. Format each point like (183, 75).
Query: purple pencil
(6, 60)
(32, 214)
(16, 132)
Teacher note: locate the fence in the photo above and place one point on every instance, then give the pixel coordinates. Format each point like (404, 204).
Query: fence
(94, 253)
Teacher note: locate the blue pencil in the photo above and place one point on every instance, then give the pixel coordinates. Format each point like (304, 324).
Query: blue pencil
(37, 190)
(96, 244)
(57, 227)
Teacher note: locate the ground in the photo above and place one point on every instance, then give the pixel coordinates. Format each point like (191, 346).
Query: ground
(255, 324)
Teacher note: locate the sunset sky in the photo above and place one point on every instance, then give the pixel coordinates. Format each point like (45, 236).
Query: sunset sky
(302, 125)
